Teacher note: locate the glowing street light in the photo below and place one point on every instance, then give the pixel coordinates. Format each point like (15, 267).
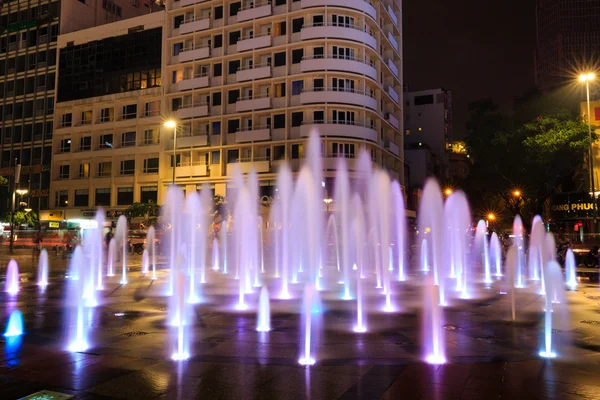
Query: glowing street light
(22, 192)
(516, 193)
(491, 217)
(448, 191)
(587, 78)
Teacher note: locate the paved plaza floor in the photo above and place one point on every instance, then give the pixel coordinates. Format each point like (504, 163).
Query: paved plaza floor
(489, 356)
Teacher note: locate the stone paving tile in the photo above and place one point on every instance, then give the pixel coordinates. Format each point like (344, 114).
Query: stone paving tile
(140, 384)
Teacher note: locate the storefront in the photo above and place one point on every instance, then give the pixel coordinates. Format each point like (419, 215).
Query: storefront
(572, 215)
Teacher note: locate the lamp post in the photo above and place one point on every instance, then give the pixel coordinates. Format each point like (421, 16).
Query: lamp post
(172, 124)
(587, 78)
(16, 179)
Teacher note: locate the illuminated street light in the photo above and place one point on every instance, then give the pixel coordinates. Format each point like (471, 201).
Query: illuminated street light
(170, 124)
(491, 217)
(587, 78)
(21, 192)
(517, 193)
(448, 191)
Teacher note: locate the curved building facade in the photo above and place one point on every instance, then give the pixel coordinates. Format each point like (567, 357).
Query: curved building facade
(248, 81)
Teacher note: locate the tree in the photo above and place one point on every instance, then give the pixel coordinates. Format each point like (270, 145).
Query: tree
(22, 217)
(535, 158)
(148, 210)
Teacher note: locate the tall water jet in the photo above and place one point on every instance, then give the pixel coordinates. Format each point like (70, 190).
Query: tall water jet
(342, 200)
(511, 271)
(553, 277)
(518, 242)
(245, 244)
(14, 327)
(181, 308)
(98, 251)
(332, 227)
(457, 235)
(151, 246)
(571, 270)
(11, 285)
(78, 329)
(433, 331)
(223, 237)
(122, 232)
(307, 356)
(172, 219)
(496, 254)
(145, 263)
(215, 254)
(193, 239)
(536, 243)
(431, 228)
(112, 255)
(400, 222)
(424, 255)
(548, 253)
(264, 311)
(482, 251)
(361, 325)
(284, 187)
(42, 273)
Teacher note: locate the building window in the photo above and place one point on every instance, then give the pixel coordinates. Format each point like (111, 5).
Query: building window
(233, 156)
(216, 127)
(280, 2)
(216, 99)
(151, 165)
(66, 120)
(233, 66)
(85, 143)
(124, 196)
(106, 114)
(234, 37)
(149, 194)
(279, 121)
(84, 170)
(218, 12)
(233, 125)
(177, 21)
(127, 167)
(105, 168)
(423, 100)
(297, 55)
(234, 8)
(217, 69)
(106, 141)
(64, 171)
(215, 157)
(280, 28)
(297, 87)
(82, 198)
(297, 118)
(296, 151)
(345, 150)
(150, 137)
(129, 111)
(297, 24)
(278, 152)
(218, 41)
(86, 117)
(65, 146)
(280, 89)
(62, 198)
(280, 59)
(128, 139)
(103, 197)
(233, 96)
(318, 117)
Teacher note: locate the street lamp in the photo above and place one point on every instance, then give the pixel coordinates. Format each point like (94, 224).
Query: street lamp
(328, 202)
(172, 124)
(587, 78)
(516, 193)
(448, 191)
(16, 179)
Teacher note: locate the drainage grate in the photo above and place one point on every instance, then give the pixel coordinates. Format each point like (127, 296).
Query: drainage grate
(213, 340)
(134, 333)
(47, 395)
(590, 322)
(491, 339)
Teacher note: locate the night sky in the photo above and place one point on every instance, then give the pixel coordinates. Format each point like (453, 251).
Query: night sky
(478, 49)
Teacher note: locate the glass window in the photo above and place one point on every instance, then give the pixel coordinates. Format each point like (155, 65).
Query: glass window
(215, 157)
(103, 197)
(234, 8)
(297, 87)
(233, 96)
(82, 198)
(105, 168)
(233, 125)
(106, 141)
(233, 155)
(279, 121)
(216, 127)
(128, 139)
(62, 198)
(218, 12)
(217, 69)
(64, 171)
(234, 37)
(218, 39)
(151, 165)
(65, 146)
(297, 24)
(216, 99)
(149, 194)
(85, 143)
(297, 55)
(280, 59)
(127, 167)
(124, 196)
(297, 118)
(84, 170)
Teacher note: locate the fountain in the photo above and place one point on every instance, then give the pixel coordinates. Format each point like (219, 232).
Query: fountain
(433, 331)
(112, 255)
(181, 308)
(511, 271)
(78, 329)
(553, 282)
(571, 270)
(15, 324)
(11, 285)
(481, 251)
(284, 183)
(518, 242)
(264, 311)
(121, 235)
(224, 248)
(145, 263)
(400, 215)
(215, 254)
(151, 244)
(308, 319)
(42, 273)
(496, 254)
(536, 243)
(457, 240)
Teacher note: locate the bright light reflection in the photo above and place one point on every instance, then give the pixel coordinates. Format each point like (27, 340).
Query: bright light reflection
(307, 361)
(435, 359)
(546, 354)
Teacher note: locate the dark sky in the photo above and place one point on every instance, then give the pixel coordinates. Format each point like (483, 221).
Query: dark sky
(478, 49)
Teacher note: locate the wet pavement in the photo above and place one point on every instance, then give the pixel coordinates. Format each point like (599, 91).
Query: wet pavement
(489, 357)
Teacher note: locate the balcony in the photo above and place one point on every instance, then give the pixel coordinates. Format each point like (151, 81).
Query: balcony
(338, 95)
(198, 81)
(192, 139)
(258, 102)
(360, 5)
(247, 165)
(254, 42)
(193, 110)
(253, 134)
(191, 169)
(393, 41)
(392, 120)
(254, 11)
(332, 161)
(194, 25)
(339, 31)
(184, 3)
(392, 147)
(392, 14)
(357, 65)
(194, 53)
(393, 94)
(258, 71)
(392, 67)
(339, 129)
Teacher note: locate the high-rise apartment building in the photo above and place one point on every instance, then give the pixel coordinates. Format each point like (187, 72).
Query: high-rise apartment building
(568, 40)
(249, 81)
(28, 42)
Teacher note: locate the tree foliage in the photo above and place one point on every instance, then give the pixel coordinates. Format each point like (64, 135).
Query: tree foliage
(537, 154)
(149, 211)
